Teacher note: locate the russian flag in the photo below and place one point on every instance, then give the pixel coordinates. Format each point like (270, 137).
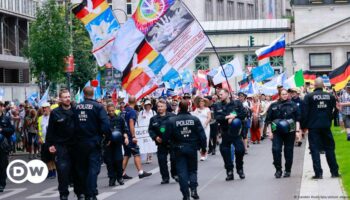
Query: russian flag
(277, 48)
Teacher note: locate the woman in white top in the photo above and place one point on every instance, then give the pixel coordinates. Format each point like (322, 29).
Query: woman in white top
(202, 111)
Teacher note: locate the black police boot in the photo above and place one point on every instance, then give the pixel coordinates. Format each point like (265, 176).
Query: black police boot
(80, 197)
(317, 176)
(241, 174)
(286, 174)
(111, 182)
(335, 175)
(278, 173)
(91, 198)
(165, 181)
(194, 194)
(186, 198)
(229, 176)
(2, 188)
(120, 181)
(144, 174)
(63, 197)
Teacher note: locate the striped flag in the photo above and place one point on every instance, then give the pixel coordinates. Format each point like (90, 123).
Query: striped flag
(297, 80)
(276, 48)
(340, 76)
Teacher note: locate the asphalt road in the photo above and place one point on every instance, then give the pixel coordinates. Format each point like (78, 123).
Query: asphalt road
(259, 183)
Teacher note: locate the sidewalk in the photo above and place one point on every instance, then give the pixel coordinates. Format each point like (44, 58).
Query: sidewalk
(326, 188)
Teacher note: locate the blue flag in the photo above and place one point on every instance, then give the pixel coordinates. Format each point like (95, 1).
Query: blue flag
(44, 98)
(186, 76)
(262, 72)
(32, 98)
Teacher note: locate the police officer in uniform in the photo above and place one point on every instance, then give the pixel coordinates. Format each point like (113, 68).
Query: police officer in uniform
(225, 112)
(61, 140)
(156, 129)
(283, 117)
(6, 130)
(113, 155)
(187, 135)
(92, 124)
(318, 107)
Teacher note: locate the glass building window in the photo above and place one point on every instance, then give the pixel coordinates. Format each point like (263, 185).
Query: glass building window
(209, 10)
(226, 59)
(202, 63)
(320, 60)
(220, 10)
(250, 10)
(231, 10)
(277, 61)
(240, 10)
(251, 60)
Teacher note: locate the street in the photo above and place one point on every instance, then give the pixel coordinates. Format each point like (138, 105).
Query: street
(260, 182)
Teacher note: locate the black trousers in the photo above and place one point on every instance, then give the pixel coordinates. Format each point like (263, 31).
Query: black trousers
(4, 161)
(225, 150)
(66, 169)
(277, 143)
(322, 139)
(187, 166)
(113, 157)
(214, 128)
(162, 154)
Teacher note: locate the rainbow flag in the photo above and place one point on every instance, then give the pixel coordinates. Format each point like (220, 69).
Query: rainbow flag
(276, 48)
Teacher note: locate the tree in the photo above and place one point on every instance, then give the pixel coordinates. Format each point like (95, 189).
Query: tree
(48, 44)
(85, 64)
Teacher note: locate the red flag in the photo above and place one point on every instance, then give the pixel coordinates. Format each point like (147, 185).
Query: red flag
(201, 81)
(115, 97)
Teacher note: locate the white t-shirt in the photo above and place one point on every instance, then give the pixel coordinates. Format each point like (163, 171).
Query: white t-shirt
(44, 125)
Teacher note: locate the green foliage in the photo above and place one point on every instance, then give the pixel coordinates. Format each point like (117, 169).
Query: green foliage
(343, 157)
(48, 42)
(85, 65)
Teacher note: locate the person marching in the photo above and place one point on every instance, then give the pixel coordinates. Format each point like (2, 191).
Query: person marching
(318, 110)
(60, 138)
(186, 134)
(156, 129)
(230, 115)
(283, 116)
(92, 124)
(113, 155)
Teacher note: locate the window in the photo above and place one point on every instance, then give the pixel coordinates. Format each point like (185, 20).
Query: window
(348, 55)
(220, 10)
(231, 10)
(320, 60)
(17, 6)
(288, 12)
(129, 7)
(240, 10)
(209, 10)
(277, 61)
(250, 10)
(202, 63)
(226, 59)
(251, 60)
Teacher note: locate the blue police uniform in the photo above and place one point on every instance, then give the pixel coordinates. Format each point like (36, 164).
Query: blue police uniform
(113, 155)
(92, 124)
(229, 136)
(156, 128)
(319, 107)
(187, 135)
(61, 134)
(278, 113)
(5, 148)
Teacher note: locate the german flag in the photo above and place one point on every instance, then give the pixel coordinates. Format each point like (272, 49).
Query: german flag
(309, 76)
(340, 76)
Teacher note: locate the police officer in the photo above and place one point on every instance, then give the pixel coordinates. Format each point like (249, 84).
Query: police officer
(187, 135)
(226, 111)
(113, 155)
(156, 129)
(318, 107)
(60, 138)
(283, 117)
(6, 130)
(92, 124)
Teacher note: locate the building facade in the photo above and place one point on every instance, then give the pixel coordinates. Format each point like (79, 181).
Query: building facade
(15, 16)
(323, 43)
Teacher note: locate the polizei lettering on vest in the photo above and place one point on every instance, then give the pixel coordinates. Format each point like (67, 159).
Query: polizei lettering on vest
(322, 97)
(185, 123)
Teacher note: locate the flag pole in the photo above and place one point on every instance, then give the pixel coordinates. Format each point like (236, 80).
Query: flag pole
(214, 48)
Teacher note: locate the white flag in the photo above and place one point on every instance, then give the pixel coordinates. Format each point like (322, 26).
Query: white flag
(232, 69)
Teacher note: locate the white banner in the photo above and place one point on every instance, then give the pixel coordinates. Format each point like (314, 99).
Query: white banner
(144, 141)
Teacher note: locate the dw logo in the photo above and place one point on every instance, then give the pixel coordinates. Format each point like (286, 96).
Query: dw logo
(35, 171)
